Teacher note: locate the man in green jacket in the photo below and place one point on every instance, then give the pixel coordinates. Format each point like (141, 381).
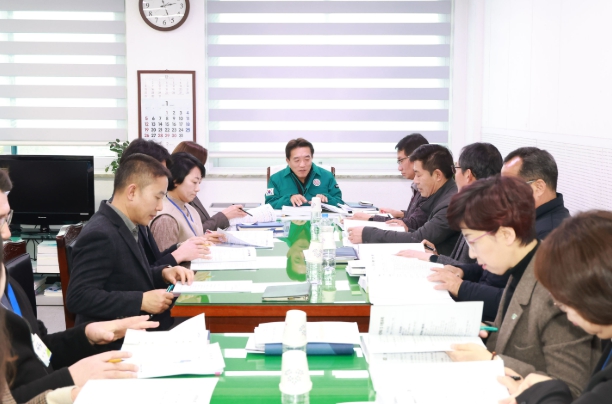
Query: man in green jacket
(297, 184)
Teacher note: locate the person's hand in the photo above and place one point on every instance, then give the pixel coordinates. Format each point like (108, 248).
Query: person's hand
(398, 214)
(233, 212)
(323, 198)
(156, 301)
(397, 222)
(456, 270)
(99, 367)
(191, 249)
(415, 254)
(483, 333)
(516, 388)
(469, 353)
(74, 393)
(355, 235)
(178, 273)
(432, 246)
(360, 216)
(105, 332)
(446, 281)
(214, 237)
(298, 200)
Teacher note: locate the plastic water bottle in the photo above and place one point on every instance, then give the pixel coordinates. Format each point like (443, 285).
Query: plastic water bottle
(329, 244)
(315, 219)
(295, 398)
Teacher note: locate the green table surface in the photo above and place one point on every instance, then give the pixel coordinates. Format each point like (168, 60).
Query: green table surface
(255, 379)
(292, 247)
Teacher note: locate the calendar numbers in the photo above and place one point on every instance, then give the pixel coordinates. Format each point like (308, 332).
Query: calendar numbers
(166, 108)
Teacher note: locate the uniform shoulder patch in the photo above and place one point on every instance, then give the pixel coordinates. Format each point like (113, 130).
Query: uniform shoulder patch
(270, 192)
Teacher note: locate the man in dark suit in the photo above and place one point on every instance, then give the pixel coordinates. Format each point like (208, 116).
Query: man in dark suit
(73, 360)
(111, 276)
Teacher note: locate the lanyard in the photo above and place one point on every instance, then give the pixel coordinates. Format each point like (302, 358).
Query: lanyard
(185, 216)
(13, 300)
(607, 360)
(301, 187)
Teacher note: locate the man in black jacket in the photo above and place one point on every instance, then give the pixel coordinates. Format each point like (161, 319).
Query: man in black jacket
(433, 167)
(111, 276)
(70, 362)
(538, 168)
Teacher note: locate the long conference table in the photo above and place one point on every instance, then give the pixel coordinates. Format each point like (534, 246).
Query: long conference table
(340, 299)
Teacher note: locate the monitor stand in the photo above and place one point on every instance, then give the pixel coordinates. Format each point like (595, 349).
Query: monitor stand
(44, 228)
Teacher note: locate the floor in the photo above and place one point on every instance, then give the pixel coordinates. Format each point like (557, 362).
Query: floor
(53, 317)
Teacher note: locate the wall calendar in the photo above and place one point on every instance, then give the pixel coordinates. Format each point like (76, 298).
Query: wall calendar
(166, 106)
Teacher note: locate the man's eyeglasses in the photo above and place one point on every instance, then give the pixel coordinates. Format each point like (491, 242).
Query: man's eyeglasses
(400, 161)
(6, 219)
(455, 167)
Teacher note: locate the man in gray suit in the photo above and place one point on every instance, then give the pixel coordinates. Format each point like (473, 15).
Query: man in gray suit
(433, 168)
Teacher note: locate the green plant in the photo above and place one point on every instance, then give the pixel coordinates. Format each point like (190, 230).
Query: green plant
(118, 148)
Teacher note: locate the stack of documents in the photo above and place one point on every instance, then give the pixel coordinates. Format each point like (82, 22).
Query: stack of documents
(46, 258)
(348, 223)
(205, 287)
(257, 239)
(259, 214)
(222, 258)
(401, 280)
(367, 251)
(184, 350)
(324, 338)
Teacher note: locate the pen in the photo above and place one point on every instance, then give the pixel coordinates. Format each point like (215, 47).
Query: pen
(430, 248)
(516, 378)
(489, 328)
(245, 212)
(172, 287)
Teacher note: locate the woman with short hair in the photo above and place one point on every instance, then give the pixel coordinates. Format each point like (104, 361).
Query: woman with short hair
(574, 264)
(497, 218)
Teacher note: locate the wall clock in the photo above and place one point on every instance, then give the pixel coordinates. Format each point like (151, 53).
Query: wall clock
(164, 15)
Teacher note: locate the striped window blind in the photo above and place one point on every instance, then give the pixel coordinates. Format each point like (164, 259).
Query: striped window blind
(62, 72)
(347, 75)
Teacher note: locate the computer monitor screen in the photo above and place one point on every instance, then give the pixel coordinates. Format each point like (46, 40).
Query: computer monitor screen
(50, 190)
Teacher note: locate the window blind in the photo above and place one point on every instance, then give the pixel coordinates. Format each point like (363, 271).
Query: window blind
(62, 71)
(341, 73)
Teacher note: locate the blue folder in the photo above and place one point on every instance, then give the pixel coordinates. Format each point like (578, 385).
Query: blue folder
(314, 348)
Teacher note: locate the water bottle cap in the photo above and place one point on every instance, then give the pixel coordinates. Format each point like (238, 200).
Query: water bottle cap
(324, 215)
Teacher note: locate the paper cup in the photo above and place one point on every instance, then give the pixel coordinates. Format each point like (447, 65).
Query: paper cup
(294, 334)
(315, 204)
(315, 252)
(295, 378)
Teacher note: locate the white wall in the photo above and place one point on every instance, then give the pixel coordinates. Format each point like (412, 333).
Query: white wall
(547, 83)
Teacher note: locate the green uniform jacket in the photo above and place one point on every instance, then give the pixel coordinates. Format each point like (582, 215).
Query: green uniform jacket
(320, 181)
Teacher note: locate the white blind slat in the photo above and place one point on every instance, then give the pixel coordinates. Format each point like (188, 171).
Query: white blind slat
(68, 26)
(385, 53)
(61, 48)
(116, 6)
(71, 113)
(15, 136)
(13, 91)
(60, 70)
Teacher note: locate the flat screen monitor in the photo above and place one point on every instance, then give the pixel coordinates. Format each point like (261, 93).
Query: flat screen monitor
(50, 190)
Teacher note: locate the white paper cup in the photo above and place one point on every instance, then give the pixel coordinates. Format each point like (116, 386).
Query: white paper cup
(315, 204)
(294, 334)
(295, 378)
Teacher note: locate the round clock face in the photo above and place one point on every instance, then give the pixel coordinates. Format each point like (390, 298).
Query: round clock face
(164, 15)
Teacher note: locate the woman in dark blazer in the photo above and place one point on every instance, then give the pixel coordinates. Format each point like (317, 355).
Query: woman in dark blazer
(497, 218)
(574, 264)
(218, 220)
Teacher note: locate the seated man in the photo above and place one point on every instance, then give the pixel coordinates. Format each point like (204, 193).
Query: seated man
(302, 179)
(189, 250)
(470, 282)
(71, 362)
(413, 217)
(433, 169)
(111, 277)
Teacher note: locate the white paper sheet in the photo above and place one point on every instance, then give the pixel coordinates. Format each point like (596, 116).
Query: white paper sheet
(380, 344)
(387, 248)
(332, 332)
(260, 214)
(158, 391)
(464, 382)
(409, 357)
(182, 350)
(302, 211)
(214, 287)
(348, 223)
(258, 239)
(229, 254)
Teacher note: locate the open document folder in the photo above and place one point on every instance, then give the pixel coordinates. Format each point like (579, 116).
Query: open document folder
(365, 253)
(183, 350)
(223, 258)
(400, 280)
(264, 213)
(158, 391)
(421, 328)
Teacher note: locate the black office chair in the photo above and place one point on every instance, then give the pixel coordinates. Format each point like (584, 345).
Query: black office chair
(65, 240)
(20, 269)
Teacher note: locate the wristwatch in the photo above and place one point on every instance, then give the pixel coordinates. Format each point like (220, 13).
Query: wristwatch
(433, 258)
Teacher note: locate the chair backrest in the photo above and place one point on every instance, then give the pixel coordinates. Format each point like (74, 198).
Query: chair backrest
(65, 239)
(14, 249)
(20, 270)
(274, 169)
